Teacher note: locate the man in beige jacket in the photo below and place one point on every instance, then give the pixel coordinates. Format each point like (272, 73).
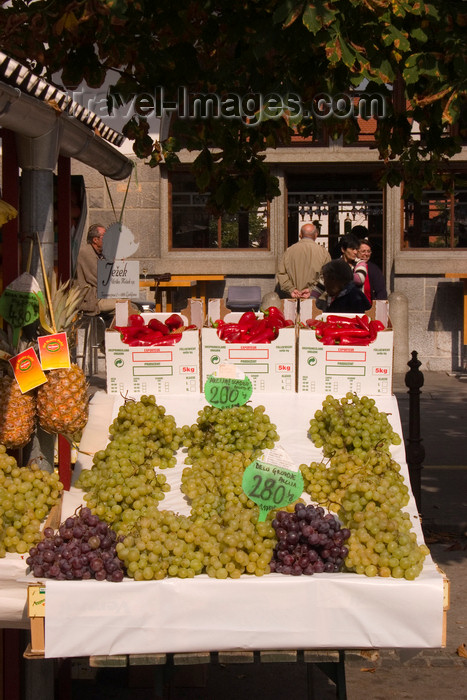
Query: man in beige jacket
(300, 267)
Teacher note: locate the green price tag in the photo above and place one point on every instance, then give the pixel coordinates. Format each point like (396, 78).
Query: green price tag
(270, 486)
(19, 308)
(225, 392)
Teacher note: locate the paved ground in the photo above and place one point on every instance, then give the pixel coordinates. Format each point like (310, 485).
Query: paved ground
(439, 674)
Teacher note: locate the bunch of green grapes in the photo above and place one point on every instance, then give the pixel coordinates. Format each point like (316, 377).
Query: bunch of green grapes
(27, 495)
(221, 538)
(364, 485)
(381, 541)
(160, 544)
(352, 423)
(326, 483)
(240, 428)
(210, 480)
(124, 476)
(163, 543)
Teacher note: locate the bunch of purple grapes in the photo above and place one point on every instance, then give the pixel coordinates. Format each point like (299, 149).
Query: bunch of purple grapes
(309, 542)
(83, 548)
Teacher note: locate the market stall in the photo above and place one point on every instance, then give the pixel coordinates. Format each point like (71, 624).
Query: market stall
(324, 611)
(329, 610)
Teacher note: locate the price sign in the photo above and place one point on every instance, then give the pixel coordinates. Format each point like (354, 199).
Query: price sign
(270, 486)
(225, 392)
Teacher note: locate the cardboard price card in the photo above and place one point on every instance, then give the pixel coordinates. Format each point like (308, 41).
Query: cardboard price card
(27, 369)
(271, 486)
(227, 387)
(53, 351)
(223, 392)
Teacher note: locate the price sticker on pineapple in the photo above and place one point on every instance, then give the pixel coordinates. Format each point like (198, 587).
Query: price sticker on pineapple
(270, 486)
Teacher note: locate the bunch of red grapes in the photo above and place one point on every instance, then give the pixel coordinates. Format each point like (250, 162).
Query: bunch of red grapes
(309, 542)
(83, 548)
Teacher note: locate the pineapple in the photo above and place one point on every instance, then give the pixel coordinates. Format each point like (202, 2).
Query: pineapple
(62, 402)
(17, 414)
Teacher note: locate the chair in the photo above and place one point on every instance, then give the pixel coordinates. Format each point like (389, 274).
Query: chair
(243, 298)
(94, 336)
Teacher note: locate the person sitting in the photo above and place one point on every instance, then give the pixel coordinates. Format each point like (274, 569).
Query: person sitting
(86, 275)
(342, 294)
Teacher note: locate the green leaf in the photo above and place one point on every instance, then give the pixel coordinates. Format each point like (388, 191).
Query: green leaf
(419, 34)
(311, 20)
(318, 15)
(397, 38)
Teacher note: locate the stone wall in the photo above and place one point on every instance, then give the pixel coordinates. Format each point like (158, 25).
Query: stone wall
(435, 320)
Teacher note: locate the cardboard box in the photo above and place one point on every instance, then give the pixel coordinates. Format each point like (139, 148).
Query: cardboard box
(271, 367)
(334, 369)
(156, 369)
(36, 613)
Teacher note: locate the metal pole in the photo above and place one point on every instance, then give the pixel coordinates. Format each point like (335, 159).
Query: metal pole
(415, 450)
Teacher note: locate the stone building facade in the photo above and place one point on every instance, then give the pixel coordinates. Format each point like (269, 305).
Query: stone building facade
(313, 180)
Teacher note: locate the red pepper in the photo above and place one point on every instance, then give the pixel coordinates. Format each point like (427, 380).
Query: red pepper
(127, 332)
(265, 336)
(274, 312)
(375, 327)
(169, 339)
(313, 322)
(260, 325)
(363, 321)
(173, 322)
(138, 342)
(354, 341)
(156, 325)
(341, 320)
(228, 331)
(319, 327)
(348, 335)
(247, 320)
(135, 320)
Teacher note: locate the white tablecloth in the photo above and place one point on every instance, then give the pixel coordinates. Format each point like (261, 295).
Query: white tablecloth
(177, 615)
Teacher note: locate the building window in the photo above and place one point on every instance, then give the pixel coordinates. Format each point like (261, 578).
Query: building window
(193, 226)
(439, 220)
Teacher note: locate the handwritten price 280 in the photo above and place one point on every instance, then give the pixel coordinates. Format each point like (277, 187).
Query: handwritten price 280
(268, 490)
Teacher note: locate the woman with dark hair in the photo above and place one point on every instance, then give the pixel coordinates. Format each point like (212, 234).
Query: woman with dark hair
(375, 276)
(349, 245)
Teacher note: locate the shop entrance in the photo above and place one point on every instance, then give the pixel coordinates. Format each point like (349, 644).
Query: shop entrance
(336, 203)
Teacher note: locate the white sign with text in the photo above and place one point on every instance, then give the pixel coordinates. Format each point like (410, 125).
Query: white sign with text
(118, 279)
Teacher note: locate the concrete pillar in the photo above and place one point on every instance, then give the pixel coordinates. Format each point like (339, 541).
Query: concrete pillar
(37, 158)
(399, 315)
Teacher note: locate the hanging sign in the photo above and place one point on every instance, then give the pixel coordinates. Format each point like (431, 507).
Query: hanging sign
(27, 369)
(53, 351)
(19, 303)
(118, 279)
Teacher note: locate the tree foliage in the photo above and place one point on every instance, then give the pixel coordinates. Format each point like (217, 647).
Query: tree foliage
(261, 48)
